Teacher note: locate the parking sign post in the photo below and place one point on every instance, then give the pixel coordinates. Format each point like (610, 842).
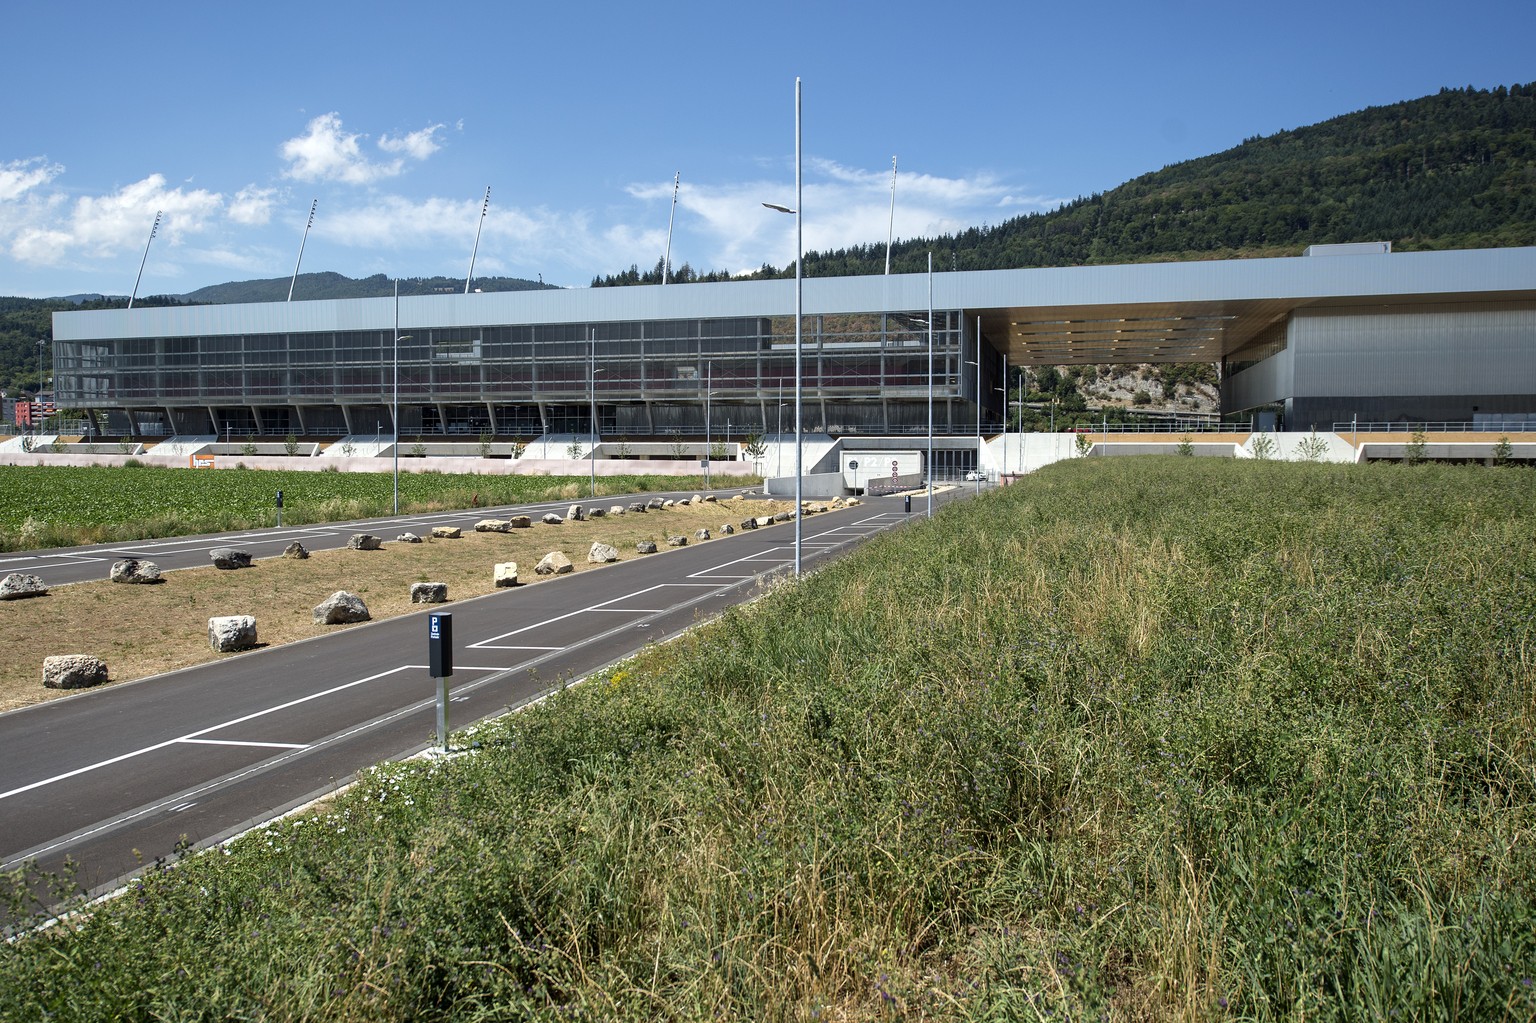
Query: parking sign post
(440, 665)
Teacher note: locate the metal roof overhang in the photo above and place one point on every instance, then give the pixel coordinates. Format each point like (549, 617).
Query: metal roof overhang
(1199, 311)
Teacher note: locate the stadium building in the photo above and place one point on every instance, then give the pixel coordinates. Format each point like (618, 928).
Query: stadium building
(1348, 333)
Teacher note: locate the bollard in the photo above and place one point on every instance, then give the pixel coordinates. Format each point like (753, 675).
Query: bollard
(907, 501)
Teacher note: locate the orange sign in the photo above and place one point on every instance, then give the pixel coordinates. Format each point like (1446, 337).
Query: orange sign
(202, 461)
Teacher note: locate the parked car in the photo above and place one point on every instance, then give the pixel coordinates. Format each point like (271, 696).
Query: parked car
(975, 474)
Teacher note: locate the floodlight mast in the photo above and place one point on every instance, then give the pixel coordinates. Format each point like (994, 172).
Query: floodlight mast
(485, 208)
(144, 260)
(666, 259)
(309, 224)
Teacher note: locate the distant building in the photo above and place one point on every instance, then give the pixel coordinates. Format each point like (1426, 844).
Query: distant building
(1352, 332)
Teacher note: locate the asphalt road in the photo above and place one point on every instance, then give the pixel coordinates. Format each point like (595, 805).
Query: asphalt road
(116, 778)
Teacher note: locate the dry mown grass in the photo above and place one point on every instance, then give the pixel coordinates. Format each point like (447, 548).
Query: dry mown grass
(145, 630)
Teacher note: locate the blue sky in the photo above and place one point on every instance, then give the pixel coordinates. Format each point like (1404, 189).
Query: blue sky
(231, 118)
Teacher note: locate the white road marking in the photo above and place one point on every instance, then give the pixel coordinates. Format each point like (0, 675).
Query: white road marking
(233, 742)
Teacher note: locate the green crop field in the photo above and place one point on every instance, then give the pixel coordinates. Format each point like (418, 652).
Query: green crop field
(53, 506)
(1133, 739)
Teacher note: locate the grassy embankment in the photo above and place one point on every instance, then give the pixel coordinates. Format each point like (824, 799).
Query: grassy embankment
(1141, 738)
(60, 506)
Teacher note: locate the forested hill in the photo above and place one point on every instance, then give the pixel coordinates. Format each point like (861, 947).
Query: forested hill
(315, 286)
(1453, 170)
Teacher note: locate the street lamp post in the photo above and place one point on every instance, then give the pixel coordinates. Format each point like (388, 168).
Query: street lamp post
(778, 440)
(930, 386)
(977, 364)
(799, 276)
(394, 403)
(592, 372)
(978, 405)
(709, 382)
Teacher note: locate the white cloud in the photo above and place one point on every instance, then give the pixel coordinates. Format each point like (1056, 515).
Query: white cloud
(108, 223)
(844, 207)
(326, 152)
(252, 206)
(102, 226)
(418, 144)
(22, 176)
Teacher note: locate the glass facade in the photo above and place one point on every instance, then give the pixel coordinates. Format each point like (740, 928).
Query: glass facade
(866, 373)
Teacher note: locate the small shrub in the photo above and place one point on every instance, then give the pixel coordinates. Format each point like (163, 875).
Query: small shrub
(1263, 447)
(1413, 453)
(1502, 451)
(485, 445)
(290, 445)
(418, 450)
(1084, 444)
(1312, 448)
(1141, 397)
(1186, 447)
(248, 449)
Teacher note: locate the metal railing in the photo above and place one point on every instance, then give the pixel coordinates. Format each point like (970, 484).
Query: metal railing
(1482, 426)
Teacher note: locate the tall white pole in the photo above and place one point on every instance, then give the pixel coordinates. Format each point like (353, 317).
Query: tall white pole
(929, 474)
(978, 405)
(592, 403)
(799, 276)
(709, 383)
(890, 230)
(395, 399)
(1004, 389)
(144, 260)
(485, 208)
(666, 260)
(308, 224)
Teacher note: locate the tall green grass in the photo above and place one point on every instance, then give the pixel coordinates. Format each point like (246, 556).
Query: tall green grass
(56, 506)
(1134, 739)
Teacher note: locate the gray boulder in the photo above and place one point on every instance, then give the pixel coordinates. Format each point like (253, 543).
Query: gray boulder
(638, 506)
(429, 593)
(506, 574)
(407, 538)
(364, 542)
(296, 550)
(701, 534)
(595, 513)
(230, 558)
(727, 529)
(551, 519)
(446, 533)
(748, 523)
(710, 498)
(617, 509)
(231, 632)
(341, 608)
(646, 546)
(554, 563)
(602, 553)
(575, 513)
(73, 671)
(520, 522)
(657, 503)
(132, 570)
(677, 541)
(492, 526)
